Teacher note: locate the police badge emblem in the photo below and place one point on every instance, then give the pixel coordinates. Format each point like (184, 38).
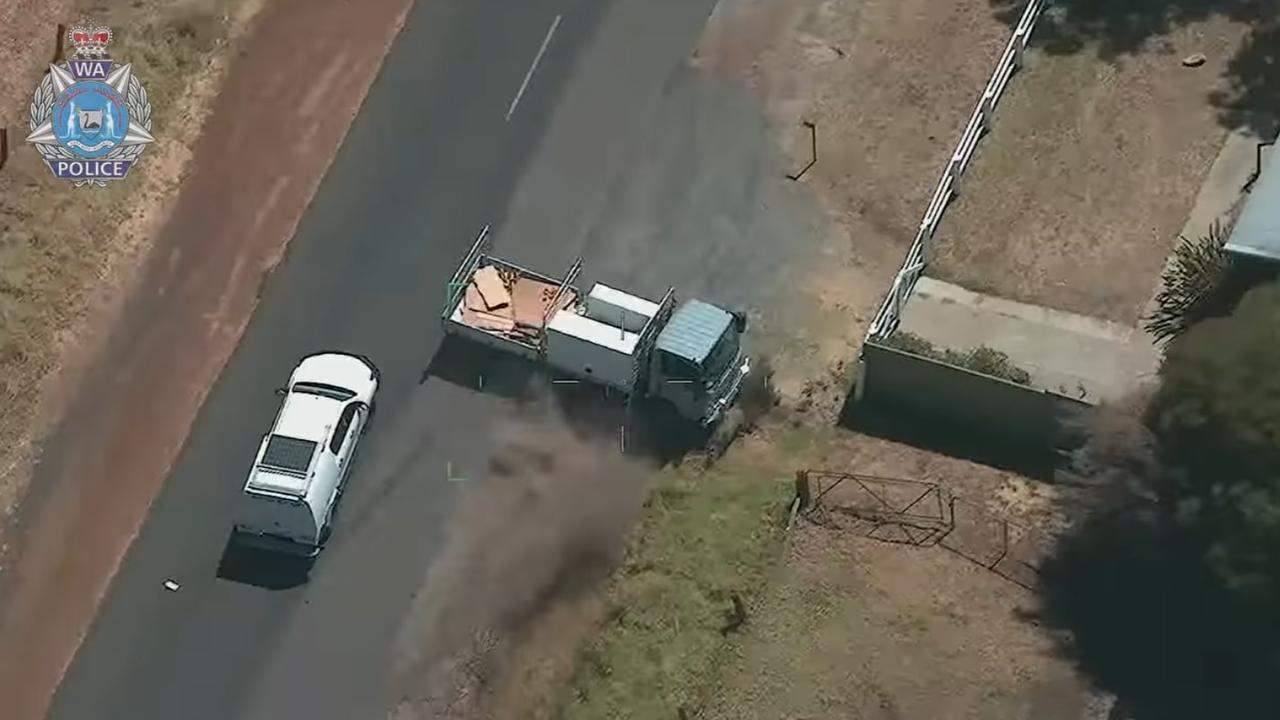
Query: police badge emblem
(90, 120)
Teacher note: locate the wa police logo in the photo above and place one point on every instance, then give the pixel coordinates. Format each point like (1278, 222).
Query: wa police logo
(90, 120)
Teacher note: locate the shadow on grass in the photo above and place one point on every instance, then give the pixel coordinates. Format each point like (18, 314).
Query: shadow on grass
(1113, 29)
(1140, 615)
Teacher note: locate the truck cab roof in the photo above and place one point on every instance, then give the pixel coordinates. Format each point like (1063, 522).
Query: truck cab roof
(693, 330)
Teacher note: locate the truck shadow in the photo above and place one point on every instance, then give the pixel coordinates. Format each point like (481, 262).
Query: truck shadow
(260, 568)
(649, 429)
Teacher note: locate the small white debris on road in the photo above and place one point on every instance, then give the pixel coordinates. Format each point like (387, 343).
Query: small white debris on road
(171, 586)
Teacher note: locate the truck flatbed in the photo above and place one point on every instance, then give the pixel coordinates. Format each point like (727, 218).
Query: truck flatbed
(601, 337)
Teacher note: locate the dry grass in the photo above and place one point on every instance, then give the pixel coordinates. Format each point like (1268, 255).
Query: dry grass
(838, 626)
(1076, 197)
(66, 253)
(855, 629)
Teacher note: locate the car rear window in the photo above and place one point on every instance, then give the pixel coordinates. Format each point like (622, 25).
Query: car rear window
(287, 453)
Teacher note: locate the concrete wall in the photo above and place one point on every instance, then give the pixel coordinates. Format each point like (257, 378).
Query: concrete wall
(898, 381)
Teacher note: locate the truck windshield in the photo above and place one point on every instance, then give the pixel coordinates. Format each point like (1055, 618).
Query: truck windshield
(721, 356)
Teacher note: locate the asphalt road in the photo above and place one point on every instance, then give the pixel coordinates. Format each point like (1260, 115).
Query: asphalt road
(436, 153)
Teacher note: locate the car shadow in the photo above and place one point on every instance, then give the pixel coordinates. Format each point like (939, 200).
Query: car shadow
(261, 568)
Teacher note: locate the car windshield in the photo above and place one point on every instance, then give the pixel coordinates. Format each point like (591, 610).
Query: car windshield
(324, 390)
(722, 355)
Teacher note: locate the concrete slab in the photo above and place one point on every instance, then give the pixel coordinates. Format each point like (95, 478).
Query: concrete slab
(1082, 357)
(1220, 195)
(1224, 185)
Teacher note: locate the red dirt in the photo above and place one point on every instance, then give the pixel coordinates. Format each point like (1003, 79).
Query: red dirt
(251, 178)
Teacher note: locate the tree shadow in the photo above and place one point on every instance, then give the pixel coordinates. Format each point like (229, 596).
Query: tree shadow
(1252, 99)
(1114, 29)
(1140, 614)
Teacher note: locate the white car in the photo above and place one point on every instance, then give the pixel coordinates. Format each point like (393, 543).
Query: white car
(303, 462)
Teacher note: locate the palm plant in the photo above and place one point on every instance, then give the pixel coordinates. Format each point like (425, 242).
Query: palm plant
(1191, 285)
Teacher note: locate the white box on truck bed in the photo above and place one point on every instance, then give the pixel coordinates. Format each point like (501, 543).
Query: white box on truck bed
(620, 309)
(599, 342)
(589, 350)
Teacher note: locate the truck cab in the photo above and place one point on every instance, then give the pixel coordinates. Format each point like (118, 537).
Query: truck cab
(699, 363)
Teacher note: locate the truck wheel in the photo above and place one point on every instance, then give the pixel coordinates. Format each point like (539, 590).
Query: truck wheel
(724, 434)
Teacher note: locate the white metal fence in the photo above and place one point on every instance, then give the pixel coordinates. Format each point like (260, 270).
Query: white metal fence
(886, 319)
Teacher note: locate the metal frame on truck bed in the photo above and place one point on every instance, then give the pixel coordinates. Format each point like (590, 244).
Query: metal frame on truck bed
(532, 344)
(479, 256)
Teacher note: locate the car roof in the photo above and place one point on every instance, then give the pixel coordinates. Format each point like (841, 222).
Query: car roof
(307, 416)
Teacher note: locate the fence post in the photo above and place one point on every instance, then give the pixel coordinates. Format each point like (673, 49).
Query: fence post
(925, 238)
(4, 146)
(954, 172)
(986, 107)
(1019, 44)
(803, 492)
(58, 47)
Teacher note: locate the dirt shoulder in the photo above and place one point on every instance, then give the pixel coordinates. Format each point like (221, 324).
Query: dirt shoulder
(131, 387)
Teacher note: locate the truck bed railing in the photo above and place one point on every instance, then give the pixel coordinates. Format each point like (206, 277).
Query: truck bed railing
(648, 338)
(531, 341)
(458, 285)
(566, 286)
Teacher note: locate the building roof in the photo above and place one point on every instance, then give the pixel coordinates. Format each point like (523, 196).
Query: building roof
(693, 330)
(1257, 232)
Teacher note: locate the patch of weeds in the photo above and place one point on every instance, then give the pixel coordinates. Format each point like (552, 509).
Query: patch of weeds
(981, 359)
(709, 537)
(167, 48)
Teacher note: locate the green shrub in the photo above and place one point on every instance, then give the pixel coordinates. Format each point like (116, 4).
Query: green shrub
(981, 359)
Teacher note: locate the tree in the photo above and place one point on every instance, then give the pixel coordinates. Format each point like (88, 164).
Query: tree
(1169, 590)
(1217, 420)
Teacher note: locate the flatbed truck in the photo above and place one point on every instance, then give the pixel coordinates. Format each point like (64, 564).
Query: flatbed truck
(690, 356)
